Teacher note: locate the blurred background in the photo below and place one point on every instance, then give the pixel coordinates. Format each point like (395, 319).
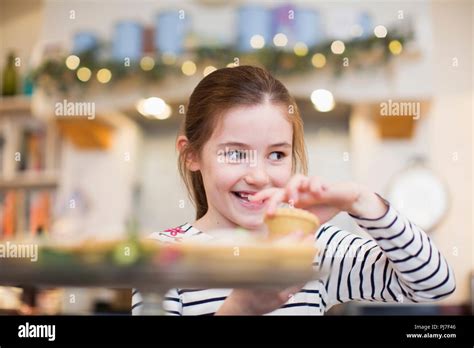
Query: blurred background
(93, 93)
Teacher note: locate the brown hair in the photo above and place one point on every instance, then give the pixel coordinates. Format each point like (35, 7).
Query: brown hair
(217, 93)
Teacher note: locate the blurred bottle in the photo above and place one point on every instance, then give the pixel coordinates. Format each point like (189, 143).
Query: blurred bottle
(10, 77)
(28, 84)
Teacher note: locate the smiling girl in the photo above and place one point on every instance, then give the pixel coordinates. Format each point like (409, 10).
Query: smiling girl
(236, 112)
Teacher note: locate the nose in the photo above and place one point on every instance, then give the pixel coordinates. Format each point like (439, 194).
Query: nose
(257, 176)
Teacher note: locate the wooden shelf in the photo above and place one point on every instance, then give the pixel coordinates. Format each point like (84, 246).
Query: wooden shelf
(85, 134)
(29, 181)
(15, 104)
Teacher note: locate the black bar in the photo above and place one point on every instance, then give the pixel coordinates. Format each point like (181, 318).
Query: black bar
(290, 331)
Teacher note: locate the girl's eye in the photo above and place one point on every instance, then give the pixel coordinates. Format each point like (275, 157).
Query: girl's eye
(276, 155)
(235, 155)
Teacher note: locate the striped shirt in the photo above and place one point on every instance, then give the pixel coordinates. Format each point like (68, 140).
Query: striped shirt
(399, 263)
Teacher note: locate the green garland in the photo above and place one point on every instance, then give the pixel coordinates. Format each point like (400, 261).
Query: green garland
(53, 75)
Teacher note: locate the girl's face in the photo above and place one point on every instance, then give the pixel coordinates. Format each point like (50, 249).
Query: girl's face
(249, 151)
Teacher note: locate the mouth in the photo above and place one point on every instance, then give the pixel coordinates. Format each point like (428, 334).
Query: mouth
(243, 197)
(243, 194)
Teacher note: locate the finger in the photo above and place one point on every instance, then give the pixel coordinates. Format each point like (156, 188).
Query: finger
(305, 184)
(316, 186)
(273, 202)
(264, 194)
(293, 185)
(278, 197)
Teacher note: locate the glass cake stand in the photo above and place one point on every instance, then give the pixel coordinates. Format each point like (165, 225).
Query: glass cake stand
(152, 281)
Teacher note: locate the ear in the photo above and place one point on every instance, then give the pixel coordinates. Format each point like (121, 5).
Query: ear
(192, 162)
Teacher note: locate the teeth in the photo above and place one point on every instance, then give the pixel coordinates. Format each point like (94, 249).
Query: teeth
(246, 195)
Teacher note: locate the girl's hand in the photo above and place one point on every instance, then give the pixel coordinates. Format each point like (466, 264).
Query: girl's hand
(323, 199)
(262, 301)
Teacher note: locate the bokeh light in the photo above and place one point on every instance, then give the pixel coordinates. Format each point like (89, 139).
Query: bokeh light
(380, 31)
(280, 40)
(338, 47)
(104, 75)
(147, 63)
(257, 41)
(318, 60)
(84, 74)
(188, 68)
(395, 47)
(323, 100)
(300, 49)
(72, 62)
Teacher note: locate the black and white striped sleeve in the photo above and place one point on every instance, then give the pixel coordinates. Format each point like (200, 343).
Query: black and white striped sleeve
(137, 302)
(172, 304)
(401, 263)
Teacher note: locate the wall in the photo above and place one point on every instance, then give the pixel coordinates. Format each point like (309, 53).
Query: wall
(20, 23)
(451, 132)
(443, 135)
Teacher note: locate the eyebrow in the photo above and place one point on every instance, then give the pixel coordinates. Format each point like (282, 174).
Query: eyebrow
(282, 144)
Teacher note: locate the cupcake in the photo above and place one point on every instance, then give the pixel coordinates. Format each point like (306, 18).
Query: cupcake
(288, 220)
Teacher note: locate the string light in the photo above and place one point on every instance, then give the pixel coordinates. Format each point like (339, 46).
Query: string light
(380, 31)
(147, 63)
(84, 74)
(104, 75)
(257, 41)
(72, 62)
(318, 60)
(300, 49)
(188, 68)
(280, 40)
(338, 47)
(395, 47)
